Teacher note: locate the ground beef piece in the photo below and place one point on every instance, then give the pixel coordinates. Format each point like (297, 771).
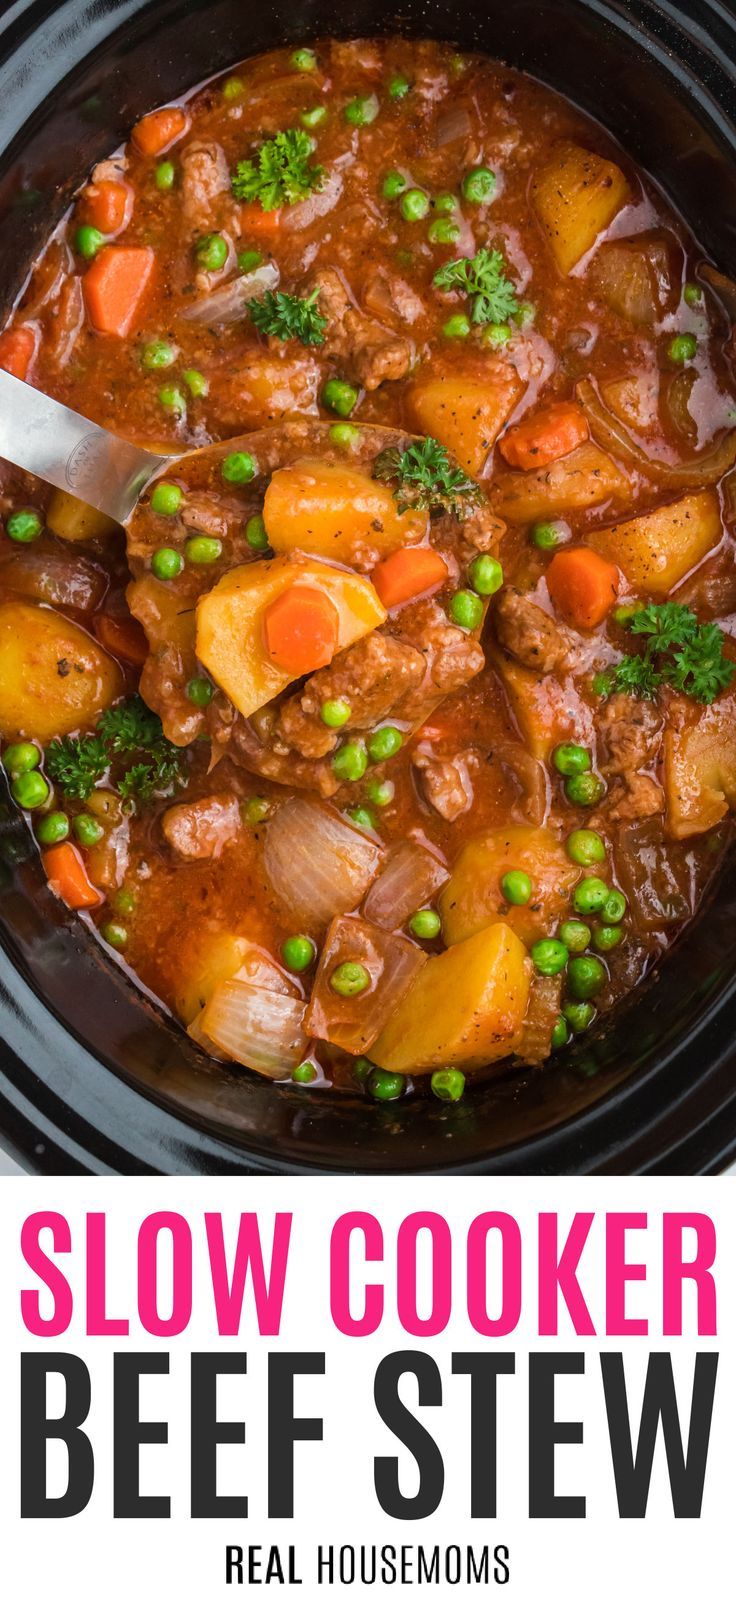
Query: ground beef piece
(263, 753)
(446, 781)
(202, 514)
(483, 530)
(527, 633)
(629, 732)
(373, 676)
(452, 657)
(205, 179)
(200, 829)
(370, 353)
(632, 797)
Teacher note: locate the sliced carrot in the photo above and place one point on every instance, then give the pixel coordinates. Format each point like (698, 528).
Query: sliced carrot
(123, 637)
(548, 435)
(255, 222)
(406, 574)
(301, 629)
(159, 129)
(114, 287)
(67, 876)
(16, 350)
(583, 586)
(106, 206)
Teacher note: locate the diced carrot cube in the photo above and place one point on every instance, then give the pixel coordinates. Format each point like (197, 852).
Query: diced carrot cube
(158, 130)
(406, 574)
(68, 878)
(17, 348)
(114, 287)
(545, 436)
(107, 206)
(583, 586)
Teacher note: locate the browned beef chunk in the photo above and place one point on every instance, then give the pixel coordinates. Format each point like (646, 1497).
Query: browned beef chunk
(447, 782)
(629, 731)
(205, 180)
(264, 753)
(199, 830)
(632, 797)
(373, 676)
(371, 353)
(525, 631)
(453, 658)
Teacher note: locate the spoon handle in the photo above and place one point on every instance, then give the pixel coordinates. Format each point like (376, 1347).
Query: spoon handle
(48, 439)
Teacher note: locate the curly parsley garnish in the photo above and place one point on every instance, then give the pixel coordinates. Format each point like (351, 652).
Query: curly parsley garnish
(280, 173)
(289, 318)
(425, 478)
(127, 734)
(680, 651)
(77, 765)
(483, 279)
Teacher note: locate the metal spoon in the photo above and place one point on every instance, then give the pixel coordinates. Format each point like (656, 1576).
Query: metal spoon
(48, 439)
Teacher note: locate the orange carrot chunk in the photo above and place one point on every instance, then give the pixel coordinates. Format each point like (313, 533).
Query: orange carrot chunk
(106, 206)
(583, 586)
(406, 574)
(301, 629)
(16, 351)
(123, 637)
(159, 129)
(255, 222)
(546, 436)
(114, 287)
(67, 876)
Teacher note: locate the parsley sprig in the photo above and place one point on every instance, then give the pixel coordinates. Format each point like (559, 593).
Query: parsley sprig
(127, 734)
(680, 651)
(289, 318)
(483, 279)
(280, 173)
(425, 478)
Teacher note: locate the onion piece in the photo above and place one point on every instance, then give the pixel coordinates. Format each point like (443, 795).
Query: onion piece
(453, 125)
(392, 963)
(724, 287)
(609, 433)
(64, 580)
(542, 1013)
(229, 302)
(261, 1029)
(411, 875)
(299, 217)
(318, 864)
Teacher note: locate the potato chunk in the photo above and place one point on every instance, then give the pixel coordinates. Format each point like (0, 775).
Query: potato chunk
(472, 898)
(547, 709)
(466, 411)
(699, 764)
(639, 278)
(656, 551)
(54, 677)
(466, 1007)
(576, 195)
(337, 512)
(230, 622)
(76, 522)
(586, 477)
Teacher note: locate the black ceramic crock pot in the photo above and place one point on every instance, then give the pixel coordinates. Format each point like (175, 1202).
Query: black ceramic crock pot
(92, 1079)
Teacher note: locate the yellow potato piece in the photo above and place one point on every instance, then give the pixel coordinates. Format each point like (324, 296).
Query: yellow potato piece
(465, 412)
(699, 765)
(547, 709)
(576, 195)
(54, 677)
(472, 898)
(583, 478)
(466, 1007)
(69, 518)
(230, 635)
(656, 551)
(336, 511)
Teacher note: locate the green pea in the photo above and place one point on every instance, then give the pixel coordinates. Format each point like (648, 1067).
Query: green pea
(166, 498)
(692, 294)
(87, 830)
(340, 397)
(313, 117)
(614, 907)
(579, 1015)
(350, 761)
(24, 526)
(384, 743)
(115, 934)
(362, 1068)
(585, 789)
(200, 691)
(249, 260)
(196, 382)
(88, 240)
(172, 399)
(203, 550)
(624, 613)
(335, 713)
(304, 60)
(448, 1084)
(414, 205)
(443, 232)
(350, 979)
(445, 203)
(585, 847)
(516, 887)
(466, 610)
(585, 977)
(232, 89)
(682, 348)
(304, 1073)
(362, 817)
(385, 1086)
(589, 895)
(560, 1034)
(457, 327)
(548, 535)
(525, 315)
(393, 185)
(486, 575)
(124, 903)
(549, 956)
(30, 791)
(607, 936)
(158, 355)
(601, 684)
(298, 952)
(425, 924)
(575, 935)
(238, 468)
(344, 435)
(479, 185)
(255, 533)
(496, 335)
(571, 759)
(164, 175)
(20, 758)
(255, 810)
(52, 829)
(211, 252)
(398, 87)
(363, 109)
(166, 564)
(380, 791)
